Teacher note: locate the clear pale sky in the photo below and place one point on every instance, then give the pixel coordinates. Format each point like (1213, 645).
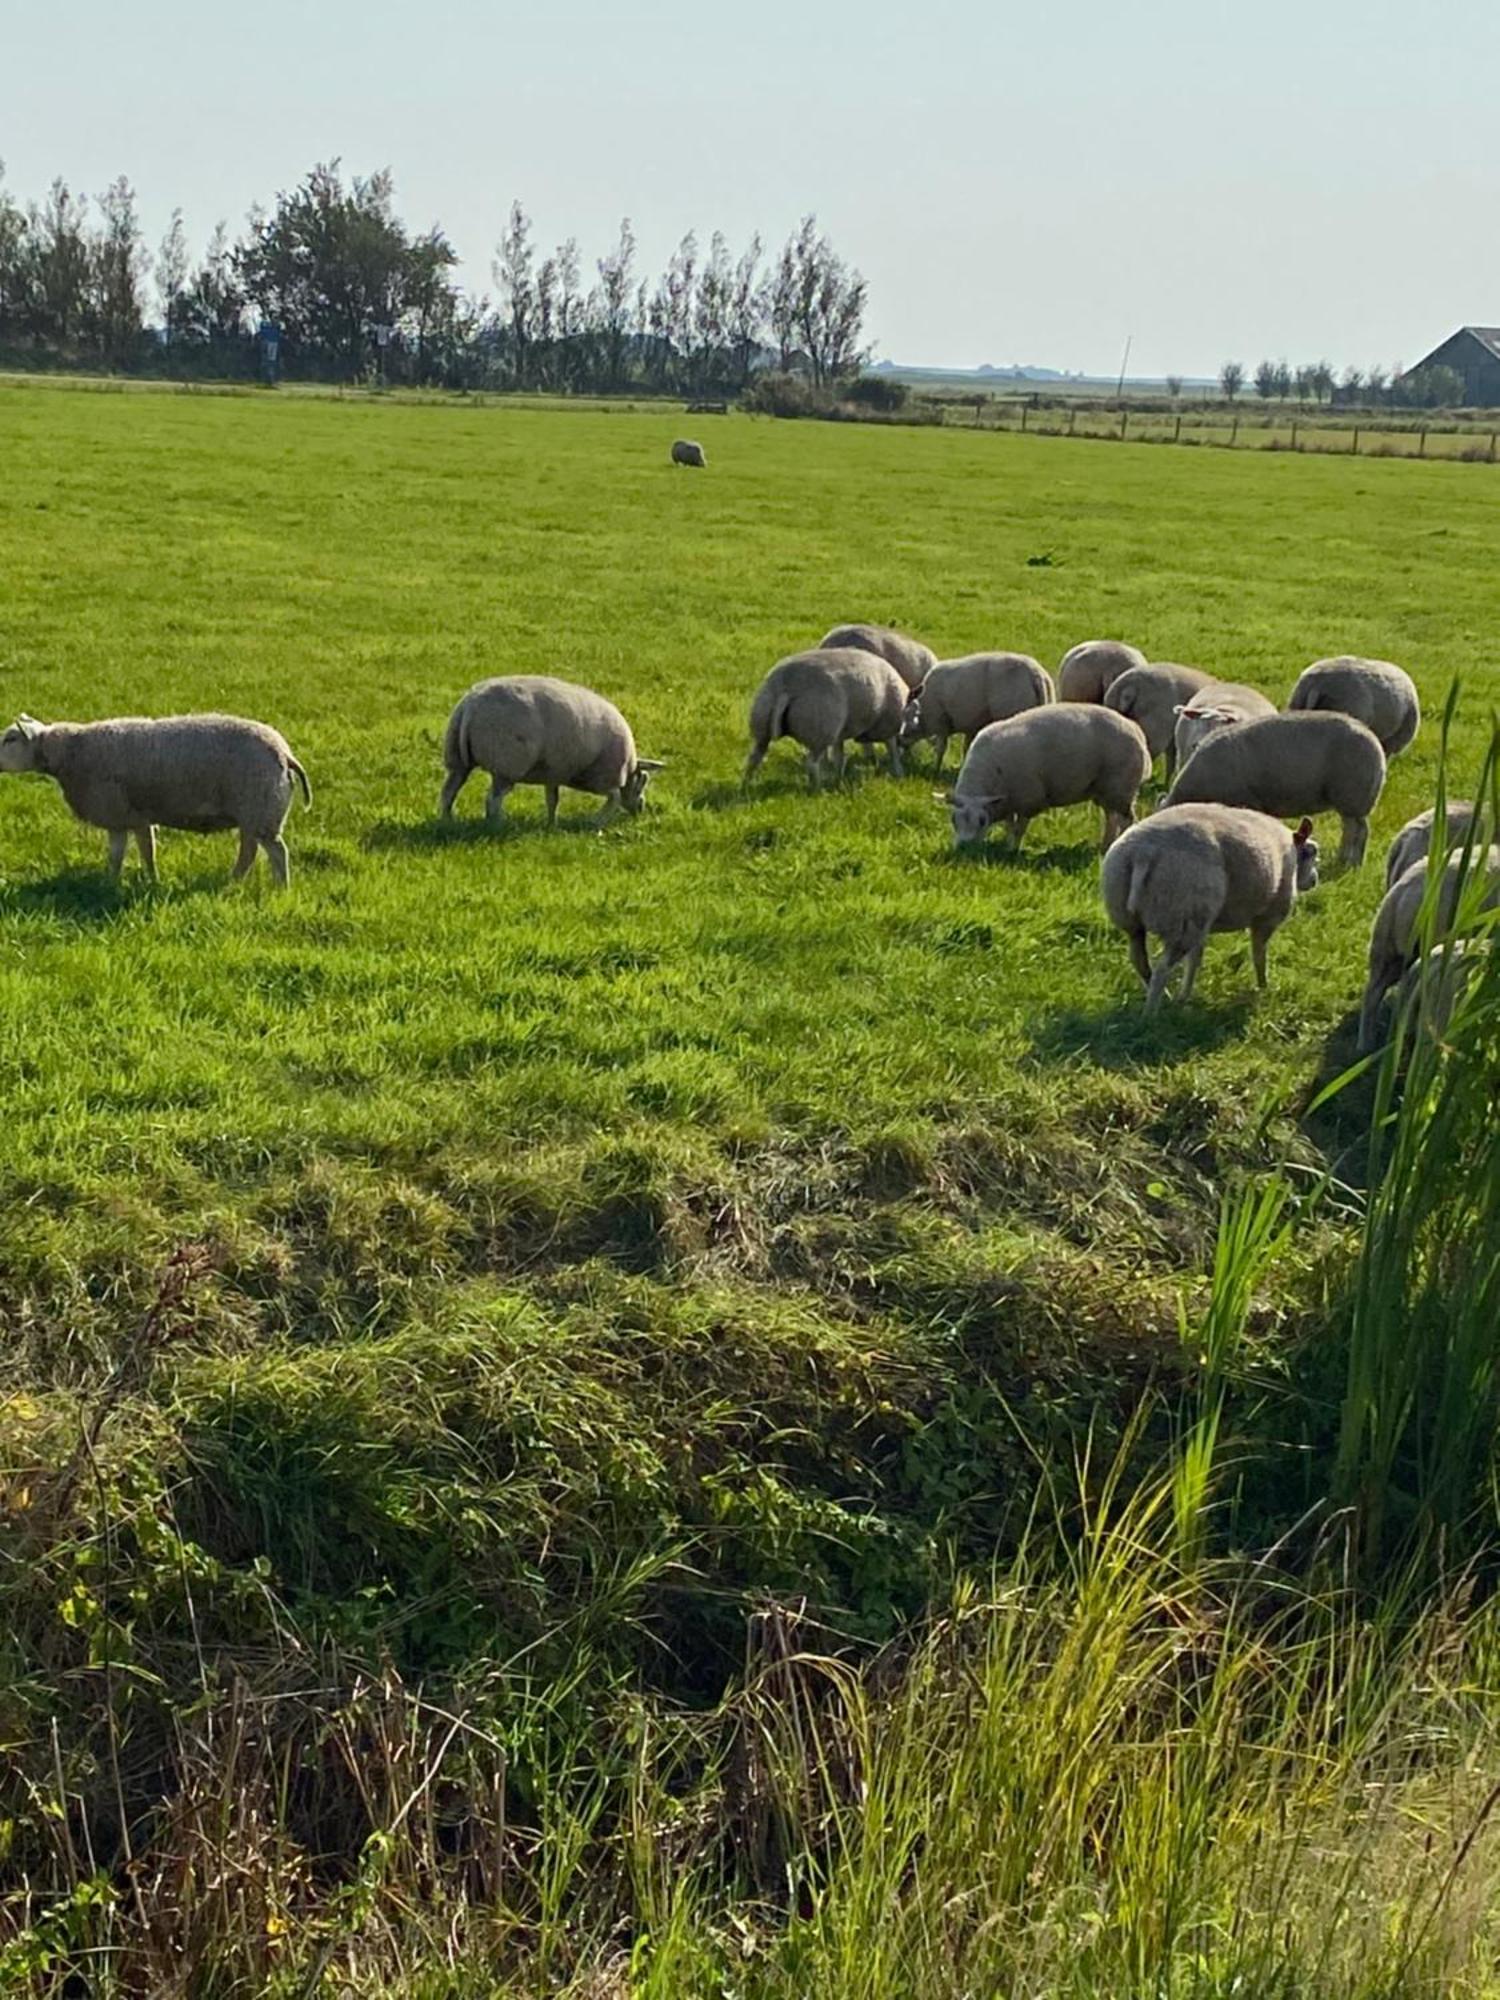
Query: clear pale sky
(1018, 183)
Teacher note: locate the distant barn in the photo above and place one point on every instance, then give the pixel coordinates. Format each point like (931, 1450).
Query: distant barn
(1473, 353)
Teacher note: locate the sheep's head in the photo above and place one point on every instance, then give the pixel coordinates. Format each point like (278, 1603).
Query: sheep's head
(1307, 857)
(18, 746)
(633, 791)
(972, 817)
(911, 716)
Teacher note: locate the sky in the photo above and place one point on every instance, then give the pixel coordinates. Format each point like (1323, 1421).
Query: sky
(1030, 184)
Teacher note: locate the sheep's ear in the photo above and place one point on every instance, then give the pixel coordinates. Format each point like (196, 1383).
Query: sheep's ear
(944, 799)
(28, 726)
(1180, 708)
(1302, 832)
(649, 764)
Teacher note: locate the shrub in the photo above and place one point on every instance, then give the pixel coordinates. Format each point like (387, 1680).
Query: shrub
(877, 392)
(786, 396)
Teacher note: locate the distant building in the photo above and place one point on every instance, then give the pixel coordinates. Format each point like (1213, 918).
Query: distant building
(1473, 353)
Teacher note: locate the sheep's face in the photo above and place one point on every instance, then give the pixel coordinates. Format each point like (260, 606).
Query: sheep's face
(911, 717)
(633, 791)
(18, 746)
(1307, 858)
(1193, 724)
(972, 819)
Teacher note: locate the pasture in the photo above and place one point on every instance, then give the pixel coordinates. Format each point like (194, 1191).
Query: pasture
(602, 1235)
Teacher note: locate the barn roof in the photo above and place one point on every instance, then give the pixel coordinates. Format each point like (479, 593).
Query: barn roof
(1488, 336)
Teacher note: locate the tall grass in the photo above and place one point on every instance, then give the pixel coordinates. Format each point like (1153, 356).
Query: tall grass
(1416, 1441)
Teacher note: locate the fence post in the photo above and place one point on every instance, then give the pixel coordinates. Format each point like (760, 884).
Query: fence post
(1072, 419)
(1234, 431)
(1177, 431)
(1124, 420)
(1493, 435)
(1023, 416)
(1422, 447)
(1294, 433)
(1354, 447)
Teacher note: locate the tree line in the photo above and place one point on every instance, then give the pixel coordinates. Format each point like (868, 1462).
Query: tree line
(330, 284)
(1359, 388)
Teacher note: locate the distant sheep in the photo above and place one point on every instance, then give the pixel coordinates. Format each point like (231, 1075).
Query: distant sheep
(686, 451)
(823, 700)
(529, 729)
(960, 697)
(1088, 670)
(912, 660)
(1288, 766)
(1414, 841)
(195, 773)
(1217, 706)
(1054, 756)
(1193, 870)
(1375, 692)
(1395, 935)
(1151, 696)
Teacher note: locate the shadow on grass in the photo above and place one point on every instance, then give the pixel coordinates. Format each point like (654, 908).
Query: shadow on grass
(91, 898)
(785, 782)
(432, 835)
(1126, 1037)
(1340, 1127)
(1075, 860)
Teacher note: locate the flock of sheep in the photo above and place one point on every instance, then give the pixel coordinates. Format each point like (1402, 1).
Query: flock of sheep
(1214, 856)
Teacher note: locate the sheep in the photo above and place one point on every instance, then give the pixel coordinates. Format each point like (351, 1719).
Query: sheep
(1088, 669)
(1288, 765)
(1433, 984)
(1415, 838)
(530, 729)
(1045, 757)
(959, 697)
(1217, 706)
(1152, 697)
(195, 773)
(1380, 695)
(1395, 936)
(824, 698)
(912, 660)
(1197, 869)
(687, 451)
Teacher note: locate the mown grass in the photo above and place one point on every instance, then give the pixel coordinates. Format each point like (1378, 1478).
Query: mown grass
(599, 1237)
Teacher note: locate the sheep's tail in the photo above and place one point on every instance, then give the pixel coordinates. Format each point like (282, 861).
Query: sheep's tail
(456, 741)
(301, 776)
(1140, 873)
(775, 726)
(1303, 699)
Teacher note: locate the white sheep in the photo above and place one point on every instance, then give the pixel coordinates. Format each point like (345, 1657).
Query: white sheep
(1395, 936)
(1152, 696)
(1218, 706)
(1087, 670)
(823, 700)
(1046, 757)
(1193, 870)
(1375, 692)
(912, 660)
(530, 729)
(959, 697)
(687, 451)
(1288, 766)
(195, 773)
(1414, 840)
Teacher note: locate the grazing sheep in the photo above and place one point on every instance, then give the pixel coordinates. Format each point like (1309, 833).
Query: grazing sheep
(1290, 765)
(195, 773)
(824, 699)
(1376, 693)
(912, 660)
(1152, 696)
(1087, 670)
(1435, 982)
(1196, 869)
(1415, 838)
(1218, 706)
(1394, 937)
(1045, 757)
(686, 451)
(959, 697)
(529, 729)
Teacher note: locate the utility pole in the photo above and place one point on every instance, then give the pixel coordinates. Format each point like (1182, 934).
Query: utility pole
(1124, 364)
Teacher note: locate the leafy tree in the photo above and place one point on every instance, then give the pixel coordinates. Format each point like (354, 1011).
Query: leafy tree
(118, 265)
(613, 305)
(211, 309)
(1377, 383)
(1265, 380)
(1351, 389)
(1174, 387)
(1302, 384)
(1320, 380)
(60, 266)
(748, 305)
(512, 271)
(172, 267)
(1281, 381)
(817, 302)
(1433, 388)
(15, 281)
(1231, 380)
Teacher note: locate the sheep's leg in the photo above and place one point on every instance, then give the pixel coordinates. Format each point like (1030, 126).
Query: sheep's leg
(117, 841)
(613, 806)
(1166, 965)
(754, 761)
(813, 763)
(895, 751)
(246, 858)
(1169, 763)
(1018, 825)
(1259, 939)
(553, 795)
(1194, 960)
(1115, 824)
(453, 784)
(1356, 834)
(494, 805)
(939, 752)
(835, 756)
(1140, 958)
(276, 854)
(1382, 979)
(145, 843)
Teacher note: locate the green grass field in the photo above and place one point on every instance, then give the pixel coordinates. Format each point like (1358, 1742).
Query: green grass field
(606, 1234)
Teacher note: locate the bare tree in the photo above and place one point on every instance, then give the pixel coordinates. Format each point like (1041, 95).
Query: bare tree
(1351, 389)
(1302, 383)
(822, 301)
(1377, 383)
(1174, 387)
(1231, 380)
(172, 266)
(748, 305)
(616, 279)
(512, 272)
